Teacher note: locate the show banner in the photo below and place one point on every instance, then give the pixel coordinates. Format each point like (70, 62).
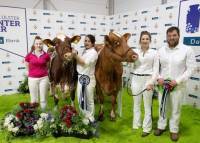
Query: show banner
(189, 24)
(13, 48)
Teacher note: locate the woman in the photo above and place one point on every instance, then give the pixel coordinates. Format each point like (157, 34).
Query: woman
(144, 76)
(37, 63)
(86, 68)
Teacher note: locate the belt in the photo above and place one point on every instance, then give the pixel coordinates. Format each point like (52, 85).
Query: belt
(140, 74)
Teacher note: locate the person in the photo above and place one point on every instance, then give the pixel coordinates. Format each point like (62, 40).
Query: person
(86, 68)
(144, 76)
(37, 63)
(177, 62)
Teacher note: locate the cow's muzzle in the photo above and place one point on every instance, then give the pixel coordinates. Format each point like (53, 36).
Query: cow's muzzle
(68, 56)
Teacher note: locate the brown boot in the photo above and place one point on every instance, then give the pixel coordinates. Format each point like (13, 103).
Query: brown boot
(174, 136)
(144, 134)
(158, 132)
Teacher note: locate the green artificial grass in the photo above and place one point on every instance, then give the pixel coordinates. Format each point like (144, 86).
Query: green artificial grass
(119, 131)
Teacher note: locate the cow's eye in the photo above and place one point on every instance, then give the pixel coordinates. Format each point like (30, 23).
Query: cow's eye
(117, 43)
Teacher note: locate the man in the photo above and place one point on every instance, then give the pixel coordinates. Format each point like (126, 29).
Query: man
(177, 62)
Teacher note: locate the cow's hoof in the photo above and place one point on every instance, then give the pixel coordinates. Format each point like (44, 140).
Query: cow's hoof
(55, 108)
(112, 118)
(101, 116)
(56, 101)
(72, 104)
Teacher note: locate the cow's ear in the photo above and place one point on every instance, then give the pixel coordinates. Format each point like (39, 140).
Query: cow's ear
(127, 36)
(75, 39)
(49, 43)
(107, 40)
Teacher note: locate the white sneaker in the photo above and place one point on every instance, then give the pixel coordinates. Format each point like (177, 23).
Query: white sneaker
(136, 127)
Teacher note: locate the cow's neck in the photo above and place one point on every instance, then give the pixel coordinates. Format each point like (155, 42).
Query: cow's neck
(112, 56)
(109, 61)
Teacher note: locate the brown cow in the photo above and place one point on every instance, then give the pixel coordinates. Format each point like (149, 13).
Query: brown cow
(62, 68)
(109, 68)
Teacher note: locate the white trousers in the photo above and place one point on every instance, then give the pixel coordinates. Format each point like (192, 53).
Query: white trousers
(174, 101)
(38, 87)
(137, 85)
(89, 113)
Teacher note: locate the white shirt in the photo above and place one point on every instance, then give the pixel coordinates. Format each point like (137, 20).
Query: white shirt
(177, 63)
(147, 63)
(90, 57)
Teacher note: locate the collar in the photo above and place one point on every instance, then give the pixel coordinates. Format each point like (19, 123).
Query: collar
(140, 49)
(42, 52)
(175, 48)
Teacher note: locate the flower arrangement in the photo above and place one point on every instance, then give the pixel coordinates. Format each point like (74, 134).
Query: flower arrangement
(28, 120)
(69, 123)
(21, 121)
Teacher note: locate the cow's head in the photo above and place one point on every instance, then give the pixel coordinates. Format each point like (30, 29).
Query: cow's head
(62, 45)
(118, 45)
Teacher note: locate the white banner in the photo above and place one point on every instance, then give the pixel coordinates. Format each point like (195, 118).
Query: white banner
(189, 24)
(13, 48)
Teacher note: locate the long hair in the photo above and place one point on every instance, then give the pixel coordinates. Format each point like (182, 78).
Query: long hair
(92, 38)
(145, 33)
(36, 38)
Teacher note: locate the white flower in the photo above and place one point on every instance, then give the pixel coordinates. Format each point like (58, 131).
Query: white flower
(15, 129)
(70, 130)
(84, 132)
(11, 125)
(52, 120)
(40, 123)
(35, 127)
(6, 123)
(10, 128)
(44, 116)
(53, 126)
(8, 120)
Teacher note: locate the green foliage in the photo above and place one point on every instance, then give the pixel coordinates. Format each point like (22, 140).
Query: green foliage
(23, 87)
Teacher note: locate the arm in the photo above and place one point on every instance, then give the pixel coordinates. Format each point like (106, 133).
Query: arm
(88, 60)
(155, 73)
(190, 67)
(80, 61)
(155, 70)
(27, 65)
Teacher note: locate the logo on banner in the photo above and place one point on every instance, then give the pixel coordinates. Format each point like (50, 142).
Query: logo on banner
(61, 14)
(192, 23)
(157, 10)
(196, 87)
(170, 16)
(1, 40)
(193, 17)
(8, 21)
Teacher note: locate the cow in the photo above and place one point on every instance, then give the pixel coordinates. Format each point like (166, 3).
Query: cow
(62, 69)
(109, 69)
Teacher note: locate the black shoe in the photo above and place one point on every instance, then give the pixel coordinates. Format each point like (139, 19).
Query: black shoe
(93, 124)
(158, 132)
(144, 134)
(174, 136)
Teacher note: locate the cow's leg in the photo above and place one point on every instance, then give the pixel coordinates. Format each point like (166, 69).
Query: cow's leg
(112, 113)
(101, 100)
(101, 112)
(72, 96)
(63, 93)
(53, 92)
